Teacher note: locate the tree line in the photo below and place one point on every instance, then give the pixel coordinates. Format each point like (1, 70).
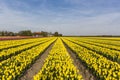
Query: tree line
(29, 33)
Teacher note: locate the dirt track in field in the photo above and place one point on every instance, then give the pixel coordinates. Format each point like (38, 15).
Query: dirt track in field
(87, 75)
(37, 66)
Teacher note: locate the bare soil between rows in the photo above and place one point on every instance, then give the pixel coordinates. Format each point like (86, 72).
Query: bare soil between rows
(37, 66)
(87, 75)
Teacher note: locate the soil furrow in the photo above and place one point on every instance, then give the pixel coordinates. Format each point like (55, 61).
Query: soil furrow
(87, 75)
(37, 66)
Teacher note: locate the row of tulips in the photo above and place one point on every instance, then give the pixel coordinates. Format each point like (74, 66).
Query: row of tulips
(101, 67)
(7, 53)
(106, 52)
(16, 43)
(58, 65)
(12, 68)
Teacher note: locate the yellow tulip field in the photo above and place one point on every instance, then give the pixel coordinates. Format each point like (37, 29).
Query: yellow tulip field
(99, 56)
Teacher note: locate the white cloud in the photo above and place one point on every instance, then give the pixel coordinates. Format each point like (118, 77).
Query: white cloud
(70, 21)
(100, 24)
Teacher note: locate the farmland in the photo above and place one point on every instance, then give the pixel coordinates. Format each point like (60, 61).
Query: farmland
(60, 58)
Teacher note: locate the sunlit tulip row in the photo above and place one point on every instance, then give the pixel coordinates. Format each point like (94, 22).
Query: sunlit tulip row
(4, 54)
(15, 43)
(101, 67)
(105, 38)
(13, 68)
(108, 41)
(113, 45)
(58, 65)
(111, 54)
(104, 45)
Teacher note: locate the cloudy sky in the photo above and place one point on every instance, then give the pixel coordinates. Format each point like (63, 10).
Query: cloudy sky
(69, 17)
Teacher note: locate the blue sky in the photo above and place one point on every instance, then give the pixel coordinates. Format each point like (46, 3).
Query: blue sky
(69, 17)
